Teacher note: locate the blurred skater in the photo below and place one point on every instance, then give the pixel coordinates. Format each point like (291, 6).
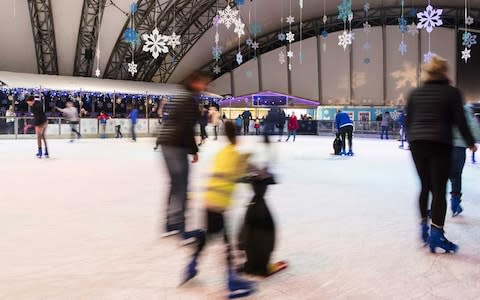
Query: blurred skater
(387, 119)
(246, 117)
(71, 115)
(177, 140)
(118, 128)
(102, 119)
(40, 123)
(229, 166)
(160, 111)
(133, 116)
(292, 127)
(433, 110)
(203, 121)
(345, 129)
(459, 157)
(10, 114)
(257, 126)
(214, 119)
(402, 119)
(238, 124)
(282, 118)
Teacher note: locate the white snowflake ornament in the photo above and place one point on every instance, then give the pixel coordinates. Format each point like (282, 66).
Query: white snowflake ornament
(228, 16)
(466, 54)
(97, 72)
(367, 28)
(290, 54)
(345, 39)
(239, 27)
(217, 70)
(282, 58)
(430, 18)
(412, 29)
(367, 46)
(132, 68)
(290, 37)
(290, 20)
(174, 40)
(325, 19)
(155, 43)
(427, 57)
(402, 48)
(255, 45)
(469, 21)
(239, 58)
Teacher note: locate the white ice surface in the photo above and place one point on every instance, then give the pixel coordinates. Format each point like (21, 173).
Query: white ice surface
(85, 225)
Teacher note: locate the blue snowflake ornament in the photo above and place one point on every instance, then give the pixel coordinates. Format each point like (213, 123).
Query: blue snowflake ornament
(133, 8)
(282, 36)
(217, 52)
(131, 36)
(344, 10)
(239, 2)
(469, 39)
(255, 28)
(249, 42)
(324, 34)
(402, 25)
(413, 12)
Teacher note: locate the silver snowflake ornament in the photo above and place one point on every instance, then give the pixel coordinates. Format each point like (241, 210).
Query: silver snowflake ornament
(325, 19)
(132, 68)
(281, 36)
(255, 45)
(239, 58)
(290, 20)
(367, 28)
(239, 27)
(466, 54)
(249, 42)
(345, 39)
(290, 54)
(412, 29)
(469, 21)
(217, 70)
(290, 37)
(217, 52)
(366, 7)
(174, 40)
(155, 43)
(402, 24)
(427, 57)
(430, 18)
(228, 16)
(97, 72)
(282, 58)
(469, 39)
(402, 48)
(350, 17)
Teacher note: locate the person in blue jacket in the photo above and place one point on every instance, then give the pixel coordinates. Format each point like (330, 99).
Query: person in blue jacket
(133, 116)
(345, 129)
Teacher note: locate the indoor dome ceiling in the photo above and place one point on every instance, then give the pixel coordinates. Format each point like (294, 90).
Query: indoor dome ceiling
(17, 52)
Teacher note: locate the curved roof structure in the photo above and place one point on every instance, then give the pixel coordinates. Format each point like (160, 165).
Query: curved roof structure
(17, 50)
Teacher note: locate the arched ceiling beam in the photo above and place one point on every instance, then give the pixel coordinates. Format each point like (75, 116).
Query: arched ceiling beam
(92, 14)
(44, 36)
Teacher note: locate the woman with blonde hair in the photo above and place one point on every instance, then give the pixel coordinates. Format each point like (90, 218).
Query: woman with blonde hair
(433, 110)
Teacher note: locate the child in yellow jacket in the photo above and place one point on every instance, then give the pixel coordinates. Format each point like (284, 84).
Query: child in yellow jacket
(229, 166)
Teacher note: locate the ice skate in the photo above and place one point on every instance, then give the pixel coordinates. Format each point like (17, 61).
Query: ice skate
(190, 272)
(456, 206)
(46, 155)
(424, 228)
(350, 152)
(39, 153)
(438, 240)
(239, 288)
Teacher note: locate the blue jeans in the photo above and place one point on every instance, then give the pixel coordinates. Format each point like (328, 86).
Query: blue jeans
(290, 133)
(384, 132)
(459, 157)
(176, 160)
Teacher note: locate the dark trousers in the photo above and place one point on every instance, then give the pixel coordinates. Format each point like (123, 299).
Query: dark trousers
(215, 132)
(346, 132)
(459, 156)
(74, 128)
(203, 131)
(433, 163)
(10, 127)
(134, 134)
(384, 132)
(176, 159)
(292, 133)
(118, 130)
(246, 127)
(215, 225)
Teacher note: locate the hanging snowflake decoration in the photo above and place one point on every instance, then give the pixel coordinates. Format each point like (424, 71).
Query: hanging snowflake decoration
(466, 54)
(325, 19)
(367, 28)
(344, 10)
(133, 8)
(290, 54)
(239, 2)
(281, 36)
(469, 39)
(345, 39)
(402, 48)
(290, 20)
(402, 24)
(255, 45)
(427, 57)
(290, 37)
(132, 68)
(366, 61)
(430, 18)
(155, 43)
(217, 37)
(413, 12)
(412, 29)
(366, 7)
(239, 27)
(469, 21)
(324, 34)
(174, 40)
(239, 58)
(217, 70)
(217, 52)
(255, 29)
(350, 17)
(249, 42)
(131, 36)
(228, 16)
(217, 20)
(97, 72)
(367, 46)
(282, 58)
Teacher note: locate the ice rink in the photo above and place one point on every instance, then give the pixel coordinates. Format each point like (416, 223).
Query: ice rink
(85, 224)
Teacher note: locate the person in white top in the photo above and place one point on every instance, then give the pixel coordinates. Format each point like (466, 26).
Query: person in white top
(214, 118)
(10, 114)
(70, 112)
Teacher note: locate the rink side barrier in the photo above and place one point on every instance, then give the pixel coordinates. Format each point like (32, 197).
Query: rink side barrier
(59, 128)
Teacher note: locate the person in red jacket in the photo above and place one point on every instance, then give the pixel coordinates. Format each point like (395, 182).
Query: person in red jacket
(292, 126)
(102, 119)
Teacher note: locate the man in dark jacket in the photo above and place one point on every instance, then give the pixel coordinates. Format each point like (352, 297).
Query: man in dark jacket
(432, 112)
(246, 116)
(177, 140)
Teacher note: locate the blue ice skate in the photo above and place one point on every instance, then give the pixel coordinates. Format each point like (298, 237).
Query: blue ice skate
(239, 288)
(350, 152)
(456, 206)
(424, 232)
(438, 240)
(39, 153)
(343, 153)
(46, 154)
(191, 271)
